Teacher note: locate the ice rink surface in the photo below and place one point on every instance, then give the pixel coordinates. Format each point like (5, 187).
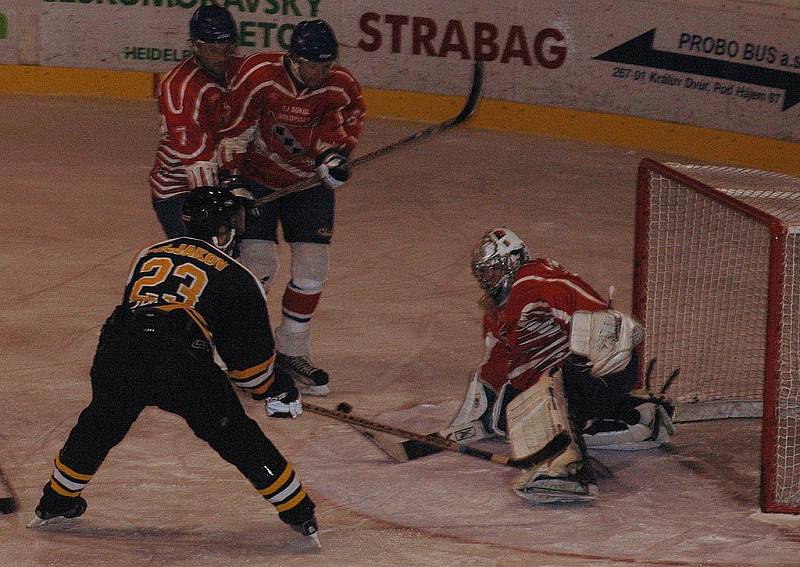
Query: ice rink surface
(398, 328)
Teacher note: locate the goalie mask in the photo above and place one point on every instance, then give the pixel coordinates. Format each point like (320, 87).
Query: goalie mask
(495, 261)
(206, 210)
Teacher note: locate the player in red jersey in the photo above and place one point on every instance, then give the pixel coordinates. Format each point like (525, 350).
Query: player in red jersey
(294, 116)
(557, 358)
(192, 107)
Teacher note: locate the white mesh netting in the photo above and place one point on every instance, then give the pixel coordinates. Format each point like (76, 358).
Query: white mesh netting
(706, 298)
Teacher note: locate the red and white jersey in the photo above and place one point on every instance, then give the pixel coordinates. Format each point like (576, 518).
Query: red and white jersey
(193, 109)
(530, 332)
(284, 127)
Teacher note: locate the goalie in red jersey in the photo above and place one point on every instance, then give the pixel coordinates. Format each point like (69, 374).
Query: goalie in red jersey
(294, 116)
(192, 107)
(557, 358)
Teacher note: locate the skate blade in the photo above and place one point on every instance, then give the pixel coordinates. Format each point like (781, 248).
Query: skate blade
(55, 520)
(537, 496)
(38, 522)
(550, 495)
(544, 499)
(315, 540)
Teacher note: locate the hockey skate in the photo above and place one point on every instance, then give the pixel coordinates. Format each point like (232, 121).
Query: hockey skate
(308, 529)
(308, 378)
(649, 426)
(542, 485)
(53, 507)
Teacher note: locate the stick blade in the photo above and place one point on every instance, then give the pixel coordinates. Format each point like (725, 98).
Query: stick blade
(389, 444)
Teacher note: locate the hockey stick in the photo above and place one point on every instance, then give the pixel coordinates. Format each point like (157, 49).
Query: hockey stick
(470, 106)
(411, 449)
(8, 504)
(553, 448)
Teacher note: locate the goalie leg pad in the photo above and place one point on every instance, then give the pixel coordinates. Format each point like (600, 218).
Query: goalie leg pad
(536, 416)
(652, 430)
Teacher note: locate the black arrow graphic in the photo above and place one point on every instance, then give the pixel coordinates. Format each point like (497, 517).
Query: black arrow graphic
(639, 51)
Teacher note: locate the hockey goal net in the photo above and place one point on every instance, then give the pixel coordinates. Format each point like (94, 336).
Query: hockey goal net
(717, 286)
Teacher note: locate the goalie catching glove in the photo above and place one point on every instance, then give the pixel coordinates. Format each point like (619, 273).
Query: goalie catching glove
(333, 168)
(607, 338)
(282, 399)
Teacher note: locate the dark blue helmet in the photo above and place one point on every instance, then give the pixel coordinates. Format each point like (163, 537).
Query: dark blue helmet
(314, 40)
(213, 24)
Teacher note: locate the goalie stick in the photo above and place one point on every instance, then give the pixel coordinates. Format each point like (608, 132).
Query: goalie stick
(8, 498)
(468, 110)
(553, 448)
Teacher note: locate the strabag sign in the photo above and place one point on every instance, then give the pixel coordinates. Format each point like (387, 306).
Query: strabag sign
(735, 70)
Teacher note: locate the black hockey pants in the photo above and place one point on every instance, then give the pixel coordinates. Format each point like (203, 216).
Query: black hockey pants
(153, 358)
(597, 398)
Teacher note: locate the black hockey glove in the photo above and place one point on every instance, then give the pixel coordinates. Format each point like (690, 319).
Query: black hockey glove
(333, 167)
(282, 399)
(242, 188)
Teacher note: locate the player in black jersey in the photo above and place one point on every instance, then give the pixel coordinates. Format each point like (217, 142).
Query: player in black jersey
(184, 298)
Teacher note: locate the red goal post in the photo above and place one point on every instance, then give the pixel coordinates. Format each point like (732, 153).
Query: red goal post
(717, 287)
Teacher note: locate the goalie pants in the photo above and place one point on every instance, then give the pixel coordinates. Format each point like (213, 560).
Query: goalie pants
(597, 398)
(174, 370)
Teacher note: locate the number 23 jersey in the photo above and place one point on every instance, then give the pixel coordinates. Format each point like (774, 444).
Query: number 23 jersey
(223, 298)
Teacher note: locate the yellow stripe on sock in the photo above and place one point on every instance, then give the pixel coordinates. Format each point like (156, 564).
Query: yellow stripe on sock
(278, 484)
(63, 492)
(75, 475)
(292, 503)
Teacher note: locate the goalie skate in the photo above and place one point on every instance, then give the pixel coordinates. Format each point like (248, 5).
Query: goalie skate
(653, 429)
(538, 487)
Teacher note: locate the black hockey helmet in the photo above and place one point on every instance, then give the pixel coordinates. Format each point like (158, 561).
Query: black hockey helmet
(208, 208)
(314, 40)
(213, 24)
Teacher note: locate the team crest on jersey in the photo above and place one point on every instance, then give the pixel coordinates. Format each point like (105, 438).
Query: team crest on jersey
(289, 142)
